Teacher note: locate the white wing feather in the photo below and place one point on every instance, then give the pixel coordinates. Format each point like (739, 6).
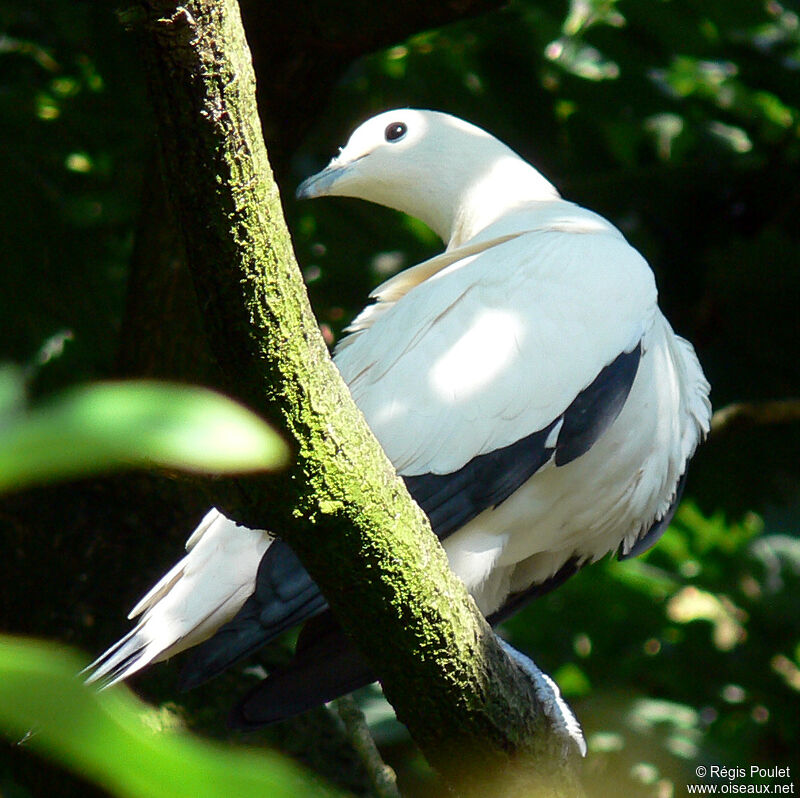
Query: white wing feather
(496, 345)
(187, 605)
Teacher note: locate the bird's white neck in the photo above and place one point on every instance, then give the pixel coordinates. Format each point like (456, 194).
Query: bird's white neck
(507, 183)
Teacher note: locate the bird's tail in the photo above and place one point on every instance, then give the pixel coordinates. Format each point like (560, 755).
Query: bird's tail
(326, 665)
(189, 603)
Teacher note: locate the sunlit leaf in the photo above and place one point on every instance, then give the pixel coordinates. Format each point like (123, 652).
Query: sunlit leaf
(581, 60)
(676, 724)
(109, 426)
(120, 743)
(691, 604)
(664, 128)
(734, 137)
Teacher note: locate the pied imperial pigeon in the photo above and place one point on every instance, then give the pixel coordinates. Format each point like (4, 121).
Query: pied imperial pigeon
(524, 383)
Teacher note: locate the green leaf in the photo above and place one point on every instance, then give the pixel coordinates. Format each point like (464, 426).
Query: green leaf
(108, 426)
(120, 743)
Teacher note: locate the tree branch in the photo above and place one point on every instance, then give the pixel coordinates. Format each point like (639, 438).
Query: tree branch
(301, 55)
(739, 415)
(382, 777)
(341, 505)
(304, 53)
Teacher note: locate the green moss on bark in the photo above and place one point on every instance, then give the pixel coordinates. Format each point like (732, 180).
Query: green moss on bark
(340, 505)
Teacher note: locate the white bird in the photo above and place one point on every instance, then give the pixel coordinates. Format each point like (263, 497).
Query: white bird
(524, 383)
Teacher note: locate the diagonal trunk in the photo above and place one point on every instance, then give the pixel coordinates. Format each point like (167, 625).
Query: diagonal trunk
(340, 505)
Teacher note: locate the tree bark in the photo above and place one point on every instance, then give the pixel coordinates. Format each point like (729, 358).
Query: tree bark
(341, 505)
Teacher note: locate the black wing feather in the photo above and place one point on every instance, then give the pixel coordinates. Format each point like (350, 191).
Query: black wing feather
(516, 601)
(653, 535)
(325, 666)
(596, 407)
(452, 500)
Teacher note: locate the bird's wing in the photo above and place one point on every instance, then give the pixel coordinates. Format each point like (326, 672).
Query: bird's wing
(451, 500)
(396, 287)
(497, 346)
(326, 664)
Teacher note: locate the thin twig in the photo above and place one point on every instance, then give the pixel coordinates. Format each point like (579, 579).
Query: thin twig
(381, 776)
(746, 414)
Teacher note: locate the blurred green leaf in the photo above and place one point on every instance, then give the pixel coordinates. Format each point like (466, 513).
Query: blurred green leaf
(107, 426)
(678, 725)
(12, 390)
(572, 680)
(122, 744)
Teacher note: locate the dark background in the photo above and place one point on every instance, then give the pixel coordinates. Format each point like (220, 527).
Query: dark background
(679, 121)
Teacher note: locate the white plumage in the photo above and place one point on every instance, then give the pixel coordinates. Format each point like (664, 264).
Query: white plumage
(192, 600)
(524, 380)
(508, 337)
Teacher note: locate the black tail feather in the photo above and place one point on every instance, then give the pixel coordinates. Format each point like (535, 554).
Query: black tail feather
(326, 665)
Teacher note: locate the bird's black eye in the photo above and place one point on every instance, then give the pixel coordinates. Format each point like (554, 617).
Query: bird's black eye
(395, 131)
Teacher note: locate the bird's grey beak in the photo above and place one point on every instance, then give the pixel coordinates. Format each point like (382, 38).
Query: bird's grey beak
(319, 185)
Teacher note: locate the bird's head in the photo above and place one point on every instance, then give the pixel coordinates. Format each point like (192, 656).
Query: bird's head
(430, 165)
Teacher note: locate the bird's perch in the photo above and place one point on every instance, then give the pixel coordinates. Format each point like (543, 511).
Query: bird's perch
(340, 506)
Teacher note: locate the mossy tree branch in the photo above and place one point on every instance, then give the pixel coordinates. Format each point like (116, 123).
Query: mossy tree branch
(341, 505)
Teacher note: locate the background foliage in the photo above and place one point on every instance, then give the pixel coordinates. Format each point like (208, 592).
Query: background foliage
(678, 120)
